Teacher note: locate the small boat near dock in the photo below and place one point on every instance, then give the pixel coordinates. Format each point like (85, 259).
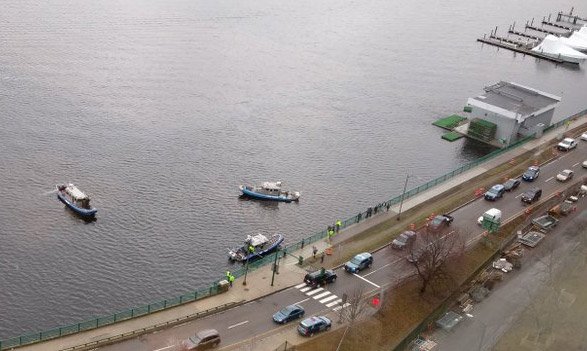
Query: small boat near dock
(270, 191)
(76, 200)
(255, 246)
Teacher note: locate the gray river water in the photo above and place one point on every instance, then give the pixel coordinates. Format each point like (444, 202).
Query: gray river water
(160, 109)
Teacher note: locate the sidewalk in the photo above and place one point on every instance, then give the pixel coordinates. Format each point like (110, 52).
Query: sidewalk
(290, 273)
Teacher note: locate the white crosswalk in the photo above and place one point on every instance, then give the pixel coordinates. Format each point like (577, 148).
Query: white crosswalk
(323, 296)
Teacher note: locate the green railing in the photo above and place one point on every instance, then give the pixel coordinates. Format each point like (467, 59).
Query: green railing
(289, 249)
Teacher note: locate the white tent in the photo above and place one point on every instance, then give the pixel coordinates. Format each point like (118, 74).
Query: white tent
(552, 46)
(577, 42)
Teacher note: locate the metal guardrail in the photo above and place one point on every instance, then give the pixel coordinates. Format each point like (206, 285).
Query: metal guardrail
(213, 289)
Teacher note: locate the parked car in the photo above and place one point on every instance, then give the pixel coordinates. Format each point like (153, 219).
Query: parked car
(359, 262)
(531, 173)
(531, 195)
(567, 144)
(584, 164)
(313, 325)
(403, 240)
(320, 277)
(511, 184)
(289, 313)
(584, 136)
(495, 192)
(565, 175)
(440, 221)
(203, 340)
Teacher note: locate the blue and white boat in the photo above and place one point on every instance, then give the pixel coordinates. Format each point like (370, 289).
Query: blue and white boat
(76, 200)
(256, 246)
(270, 191)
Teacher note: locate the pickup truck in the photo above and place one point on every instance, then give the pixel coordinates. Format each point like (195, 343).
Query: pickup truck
(440, 221)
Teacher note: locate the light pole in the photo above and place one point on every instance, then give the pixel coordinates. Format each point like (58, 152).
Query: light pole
(274, 267)
(402, 198)
(246, 271)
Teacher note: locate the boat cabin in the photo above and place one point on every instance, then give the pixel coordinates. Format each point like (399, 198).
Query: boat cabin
(76, 196)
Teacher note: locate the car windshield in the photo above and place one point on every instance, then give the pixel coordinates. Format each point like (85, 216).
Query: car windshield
(493, 190)
(437, 220)
(195, 339)
(403, 238)
(566, 173)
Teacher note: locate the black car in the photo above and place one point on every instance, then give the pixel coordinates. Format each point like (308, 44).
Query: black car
(531, 195)
(511, 184)
(531, 173)
(288, 313)
(320, 277)
(440, 222)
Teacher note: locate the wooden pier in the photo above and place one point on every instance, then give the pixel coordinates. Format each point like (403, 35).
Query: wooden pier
(517, 48)
(524, 34)
(556, 25)
(538, 29)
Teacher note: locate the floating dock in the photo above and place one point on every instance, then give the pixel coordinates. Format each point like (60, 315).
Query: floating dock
(452, 136)
(449, 122)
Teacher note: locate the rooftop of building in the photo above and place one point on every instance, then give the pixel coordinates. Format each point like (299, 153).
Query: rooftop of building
(517, 98)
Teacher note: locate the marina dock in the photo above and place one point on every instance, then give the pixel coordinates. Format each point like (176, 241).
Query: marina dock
(524, 41)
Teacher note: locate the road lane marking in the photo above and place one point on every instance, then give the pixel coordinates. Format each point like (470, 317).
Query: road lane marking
(575, 165)
(341, 307)
(329, 298)
(549, 179)
(310, 293)
(334, 303)
(319, 296)
(299, 302)
(306, 289)
(165, 348)
(300, 286)
(236, 325)
(519, 195)
(368, 281)
(380, 268)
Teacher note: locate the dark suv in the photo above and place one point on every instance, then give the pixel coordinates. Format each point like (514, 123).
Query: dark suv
(320, 277)
(531, 195)
(359, 262)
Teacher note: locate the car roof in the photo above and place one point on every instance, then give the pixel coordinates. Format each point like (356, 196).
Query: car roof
(206, 333)
(533, 168)
(363, 255)
(569, 140)
(567, 171)
(497, 187)
(311, 321)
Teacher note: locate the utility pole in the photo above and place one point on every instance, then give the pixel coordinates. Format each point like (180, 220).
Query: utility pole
(274, 267)
(246, 271)
(401, 203)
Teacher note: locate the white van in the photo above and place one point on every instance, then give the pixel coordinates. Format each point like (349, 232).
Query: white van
(492, 215)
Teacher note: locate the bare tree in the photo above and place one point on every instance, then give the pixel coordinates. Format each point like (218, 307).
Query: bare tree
(355, 306)
(431, 255)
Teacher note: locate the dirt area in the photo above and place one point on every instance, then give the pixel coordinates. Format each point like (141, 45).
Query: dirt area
(555, 318)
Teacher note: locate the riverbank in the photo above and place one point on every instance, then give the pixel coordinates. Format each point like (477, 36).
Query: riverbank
(359, 237)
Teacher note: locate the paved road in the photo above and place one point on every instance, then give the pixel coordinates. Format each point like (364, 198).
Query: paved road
(254, 318)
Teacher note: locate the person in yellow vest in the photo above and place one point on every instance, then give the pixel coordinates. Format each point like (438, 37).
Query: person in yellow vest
(230, 279)
(251, 249)
(338, 225)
